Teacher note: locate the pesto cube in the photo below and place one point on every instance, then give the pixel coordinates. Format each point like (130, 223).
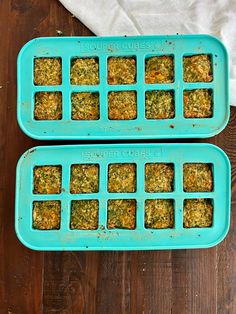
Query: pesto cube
(46, 215)
(159, 177)
(198, 177)
(159, 104)
(47, 179)
(122, 178)
(159, 214)
(159, 69)
(121, 70)
(197, 68)
(198, 103)
(48, 106)
(198, 213)
(122, 105)
(84, 178)
(47, 71)
(85, 106)
(84, 215)
(84, 71)
(121, 214)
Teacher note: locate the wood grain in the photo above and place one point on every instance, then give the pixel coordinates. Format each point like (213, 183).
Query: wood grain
(162, 282)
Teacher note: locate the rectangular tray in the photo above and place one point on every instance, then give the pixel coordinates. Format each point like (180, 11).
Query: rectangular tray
(140, 47)
(140, 238)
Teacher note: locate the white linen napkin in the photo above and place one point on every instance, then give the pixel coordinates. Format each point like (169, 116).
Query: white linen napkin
(134, 17)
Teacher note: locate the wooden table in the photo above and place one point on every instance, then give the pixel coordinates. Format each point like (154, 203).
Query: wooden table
(162, 282)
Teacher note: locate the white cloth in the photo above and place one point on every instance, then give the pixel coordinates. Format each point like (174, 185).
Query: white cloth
(134, 17)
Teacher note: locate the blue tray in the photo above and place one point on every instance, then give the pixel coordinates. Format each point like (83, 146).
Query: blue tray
(140, 47)
(122, 239)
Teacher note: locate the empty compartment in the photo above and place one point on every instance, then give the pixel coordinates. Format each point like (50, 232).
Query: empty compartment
(197, 68)
(159, 213)
(159, 177)
(84, 178)
(121, 214)
(198, 213)
(48, 106)
(159, 69)
(47, 179)
(85, 106)
(46, 215)
(122, 178)
(121, 70)
(159, 104)
(84, 71)
(47, 71)
(198, 177)
(84, 215)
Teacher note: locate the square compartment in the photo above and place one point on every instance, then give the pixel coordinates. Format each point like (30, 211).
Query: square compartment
(121, 70)
(48, 106)
(122, 178)
(121, 214)
(198, 103)
(122, 105)
(84, 178)
(159, 104)
(84, 215)
(198, 213)
(85, 106)
(84, 71)
(197, 68)
(159, 214)
(198, 177)
(159, 70)
(47, 179)
(159, 177)
(47, 71)
(46, 215)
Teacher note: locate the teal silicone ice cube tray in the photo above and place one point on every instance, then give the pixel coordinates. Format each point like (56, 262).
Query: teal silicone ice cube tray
(122, 239)
(140, 48)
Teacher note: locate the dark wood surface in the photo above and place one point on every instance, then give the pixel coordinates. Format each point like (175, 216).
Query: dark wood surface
(182, 282)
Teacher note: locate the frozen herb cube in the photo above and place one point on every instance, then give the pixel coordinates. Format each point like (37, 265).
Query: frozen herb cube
(198, 213)
(85, 106)
(48, 106)
(159, 104)
(47, 180)
(47, 71)
(84, 215)
(198, 178)
(122, 105)
(198, 103)
(159, 70)
(122, 178)
(159, 177)
(197, 68)
(84, 178)
(46, 215)
(121, 71)
(121, 214)
(84, 71)
(159, 214)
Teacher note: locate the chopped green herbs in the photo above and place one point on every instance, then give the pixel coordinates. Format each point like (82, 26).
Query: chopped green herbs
(159, 104)
(48, 106)
(121, 214)
(84, 178)
(84, 215)
(159, 213)
(46, 215)
(47, 71)
(121, 71)
(198, 178)
(198, 103)
(159, 177)
(159, 70)
(47, 180)
(198, 213)
(84, 71)
(122, 178)
(85, 106)
(197, 68)
(122, 105)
